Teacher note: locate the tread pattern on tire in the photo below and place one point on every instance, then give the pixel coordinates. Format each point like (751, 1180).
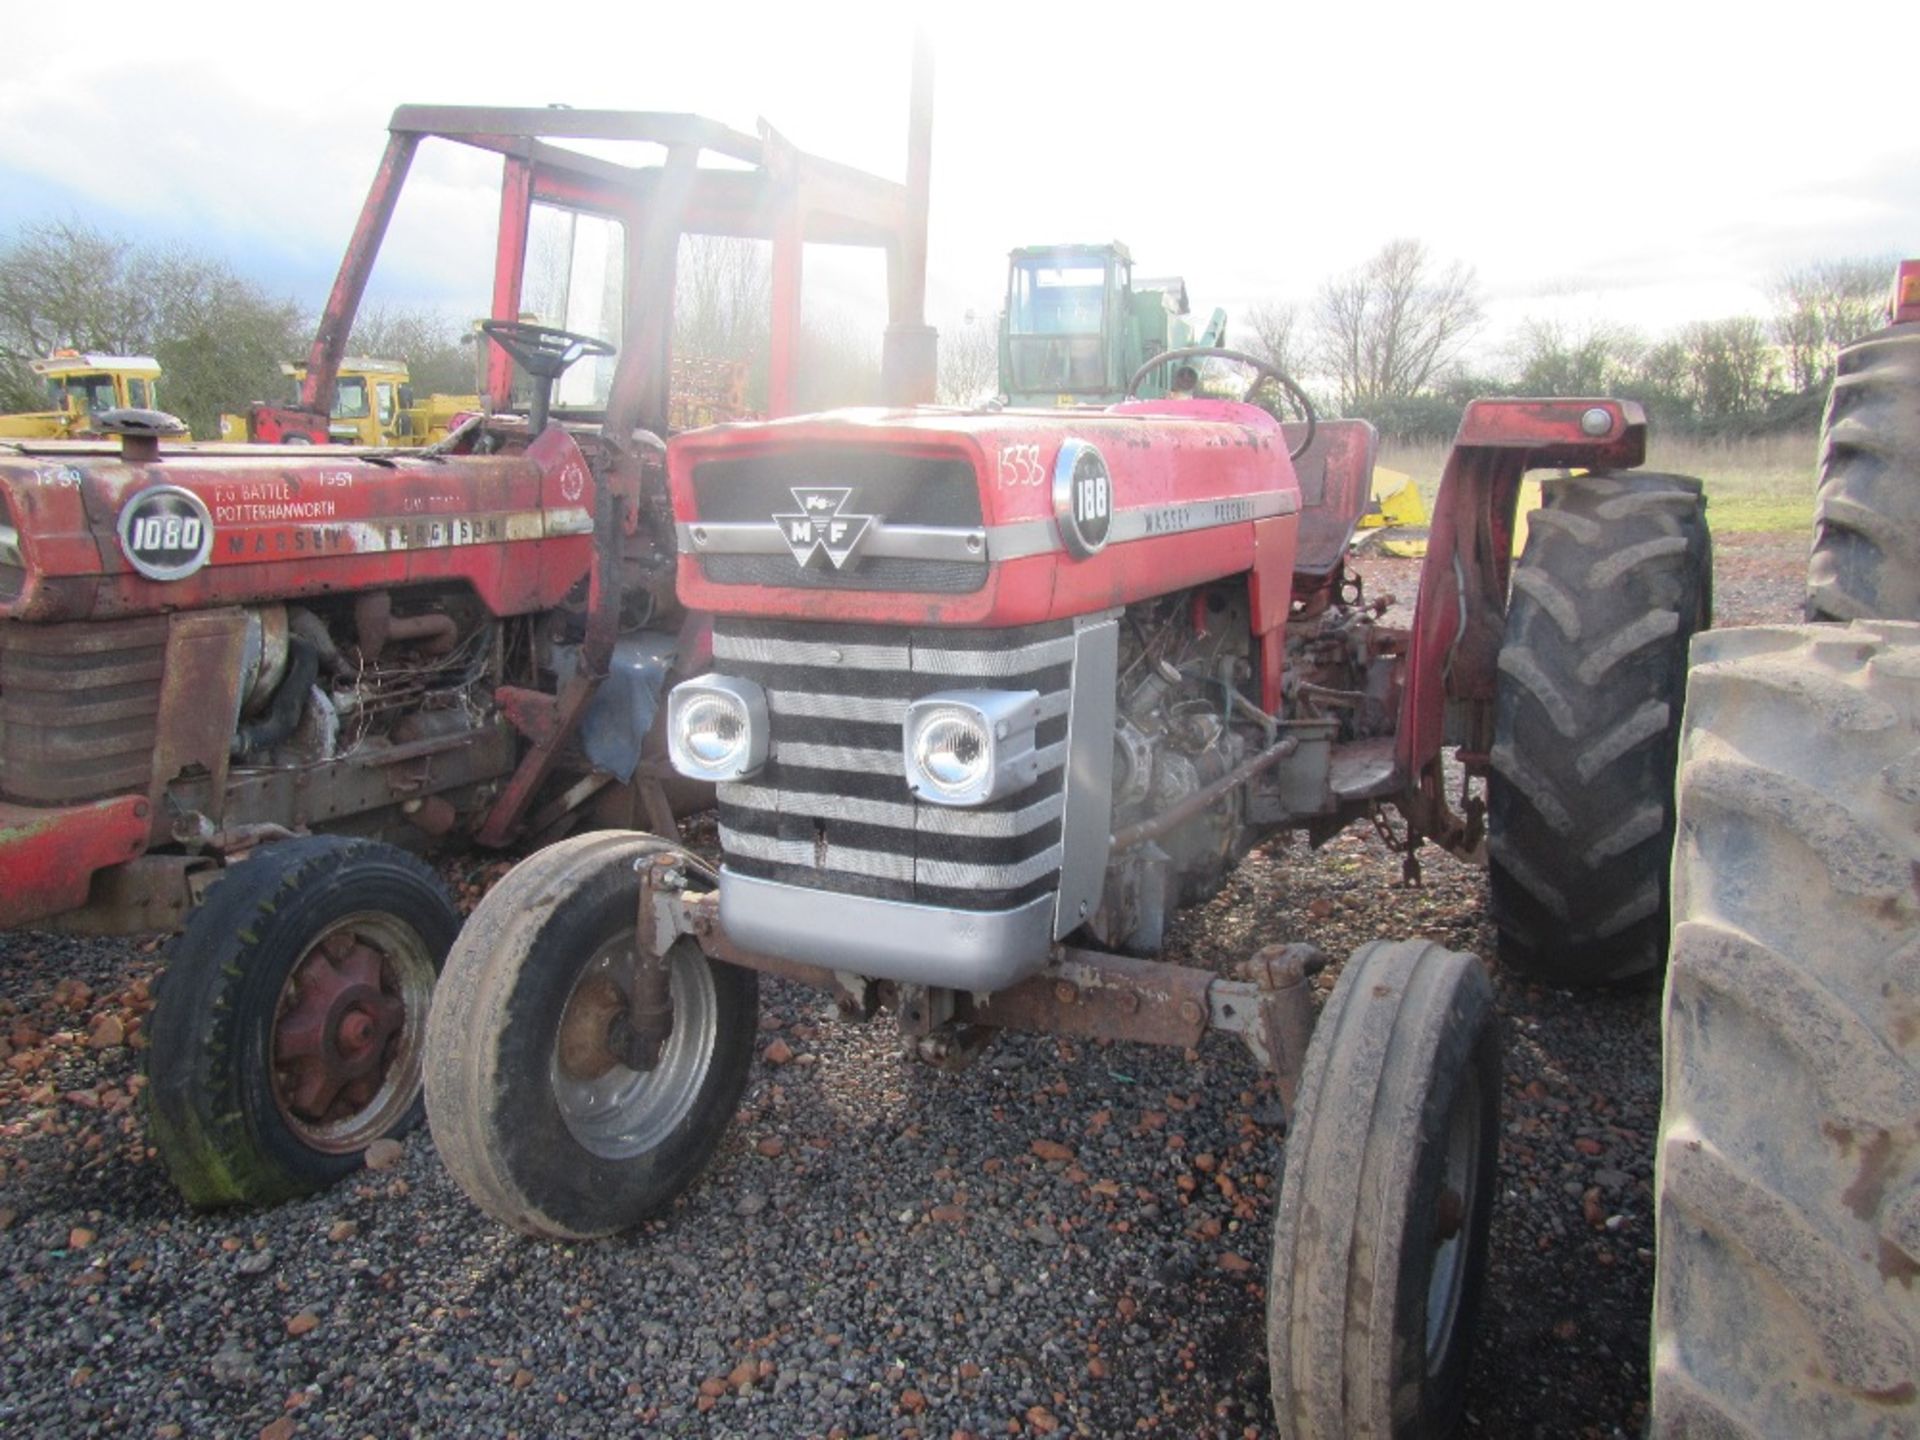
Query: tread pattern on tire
(1614, 581)
(490, 1043)
(1787, 1288)
(195, 1112)
(1350, 1153)
(1866, 514)
(474, 995)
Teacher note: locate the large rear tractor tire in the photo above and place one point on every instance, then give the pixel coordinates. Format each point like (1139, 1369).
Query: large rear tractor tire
(1787, 1288)
(290, 1020)
(1381, 1233)
(539, 1122)
(1866, 515)
(1616, 579)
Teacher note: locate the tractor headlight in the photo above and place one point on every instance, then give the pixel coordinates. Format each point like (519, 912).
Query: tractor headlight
(970, 747)
(717, 728)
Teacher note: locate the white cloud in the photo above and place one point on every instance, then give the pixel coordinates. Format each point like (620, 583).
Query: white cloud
(1655, 158)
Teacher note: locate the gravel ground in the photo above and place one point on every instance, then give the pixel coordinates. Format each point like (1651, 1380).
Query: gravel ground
(1065, 1239)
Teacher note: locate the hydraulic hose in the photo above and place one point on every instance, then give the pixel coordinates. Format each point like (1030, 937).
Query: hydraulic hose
(283, 711)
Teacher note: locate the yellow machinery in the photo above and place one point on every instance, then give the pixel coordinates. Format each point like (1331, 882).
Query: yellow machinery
(82, 384)
(374, 405)
(1396, 522)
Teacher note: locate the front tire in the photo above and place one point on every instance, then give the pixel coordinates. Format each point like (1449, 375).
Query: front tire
(288, 1029)
(1381, 1232)
(1616, 579)
(543, 1128)
(1788, 1169)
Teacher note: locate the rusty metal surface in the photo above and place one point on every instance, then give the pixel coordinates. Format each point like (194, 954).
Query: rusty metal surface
(1283, 1011)
(502, 821)
(1114, 997)
(48, 856)
(336, 319)
(1336, 475)
(79, 706)
(149, 893)
(304, 521)
(339, 790)
(199, 705)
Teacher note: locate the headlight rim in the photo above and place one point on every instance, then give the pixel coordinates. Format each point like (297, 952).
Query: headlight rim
(741, 763)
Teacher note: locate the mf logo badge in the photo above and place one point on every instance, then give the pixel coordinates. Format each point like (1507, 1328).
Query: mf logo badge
(823, 526)
(165, 532)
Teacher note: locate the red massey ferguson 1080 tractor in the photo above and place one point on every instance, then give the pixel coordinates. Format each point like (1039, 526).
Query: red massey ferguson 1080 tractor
(993, 692)
(311, 656)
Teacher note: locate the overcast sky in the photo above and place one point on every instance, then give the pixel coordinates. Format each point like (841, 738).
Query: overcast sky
(1648, 163)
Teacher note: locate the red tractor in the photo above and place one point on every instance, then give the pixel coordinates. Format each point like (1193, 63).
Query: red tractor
(993, 692)
(314, 661)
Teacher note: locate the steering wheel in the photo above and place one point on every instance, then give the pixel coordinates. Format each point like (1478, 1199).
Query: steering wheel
(1263, 372)
(544, 353)
(542, 350)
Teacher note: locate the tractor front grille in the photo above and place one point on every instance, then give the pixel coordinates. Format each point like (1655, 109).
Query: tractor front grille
(79, 704)
(930, 493)
(831, 810)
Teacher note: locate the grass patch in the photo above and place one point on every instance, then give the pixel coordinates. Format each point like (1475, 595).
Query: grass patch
(1759, 486)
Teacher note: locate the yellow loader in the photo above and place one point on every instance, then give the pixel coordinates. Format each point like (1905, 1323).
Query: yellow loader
(374, 405)
(80, 385)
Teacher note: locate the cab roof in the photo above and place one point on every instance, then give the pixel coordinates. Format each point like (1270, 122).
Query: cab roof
(73, 362)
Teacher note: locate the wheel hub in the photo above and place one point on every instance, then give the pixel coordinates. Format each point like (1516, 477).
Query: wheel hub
(332, 1043)
(581, 1047)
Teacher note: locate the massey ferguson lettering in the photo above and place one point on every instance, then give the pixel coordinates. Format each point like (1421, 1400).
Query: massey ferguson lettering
(1199, 515)
(822, 526)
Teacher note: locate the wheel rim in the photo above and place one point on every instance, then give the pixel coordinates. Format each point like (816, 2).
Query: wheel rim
(348, 1027)
(614, 1111)
(1453, 1222)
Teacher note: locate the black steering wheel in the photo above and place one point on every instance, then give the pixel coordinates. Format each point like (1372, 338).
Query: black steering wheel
(1263, 372)
(542, 350)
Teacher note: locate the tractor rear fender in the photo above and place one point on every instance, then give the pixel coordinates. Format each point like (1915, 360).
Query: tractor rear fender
(1461, 612)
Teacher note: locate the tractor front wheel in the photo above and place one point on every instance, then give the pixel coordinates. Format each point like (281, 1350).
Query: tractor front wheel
(540, 1122)
(1381, 1233)
(288, 1029)
(1616, 579)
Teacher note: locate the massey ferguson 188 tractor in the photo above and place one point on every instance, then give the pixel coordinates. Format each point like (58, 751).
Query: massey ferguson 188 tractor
(235, 681)
(993, 693)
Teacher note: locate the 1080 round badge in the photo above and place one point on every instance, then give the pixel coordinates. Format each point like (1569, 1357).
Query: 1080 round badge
(166, 532)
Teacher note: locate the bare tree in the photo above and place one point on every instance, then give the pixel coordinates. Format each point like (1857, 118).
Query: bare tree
(1273, 333)
(439, 354)
(969, 359)
(1550, 357)
(724, 300)
(219, 339)
(1389, 328)
(839, 364)
(1729, 366)
(1822, 307)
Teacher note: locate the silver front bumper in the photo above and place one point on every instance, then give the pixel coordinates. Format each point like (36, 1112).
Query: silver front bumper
(971, 950)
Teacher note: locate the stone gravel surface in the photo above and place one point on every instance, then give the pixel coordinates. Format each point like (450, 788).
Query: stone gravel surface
(1065, 1239)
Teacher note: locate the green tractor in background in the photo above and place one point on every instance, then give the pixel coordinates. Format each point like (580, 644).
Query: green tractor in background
(1077, 325)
